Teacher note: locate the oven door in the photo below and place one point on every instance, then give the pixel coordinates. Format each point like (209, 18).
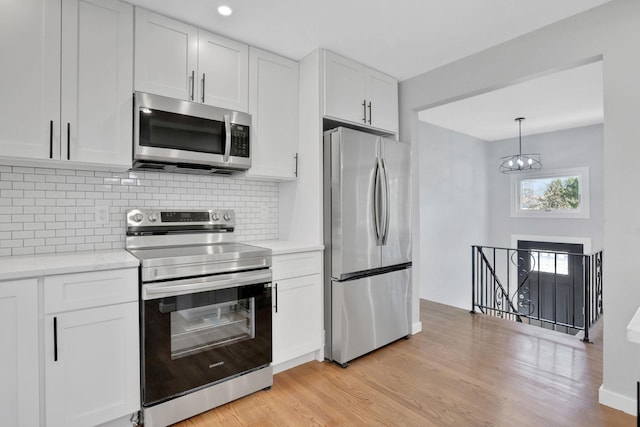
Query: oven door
(203, 330)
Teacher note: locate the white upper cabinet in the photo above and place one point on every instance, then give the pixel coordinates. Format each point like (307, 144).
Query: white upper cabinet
(97, 81)
(358, 94)
(180, 61)
(382, 100)
(344, 89)
(273, 105)
(29, 77)
(166, 56)
(223, 72)
(67, 88)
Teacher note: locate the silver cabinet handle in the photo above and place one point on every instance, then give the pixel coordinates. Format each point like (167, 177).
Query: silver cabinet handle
(193, 78)
(203, 77)
(364, 110)
(369, 112)
(295, 173)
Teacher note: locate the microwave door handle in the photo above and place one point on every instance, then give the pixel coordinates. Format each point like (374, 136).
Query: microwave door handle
(227, 137)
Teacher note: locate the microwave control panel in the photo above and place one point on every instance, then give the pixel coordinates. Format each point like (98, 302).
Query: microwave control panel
(239, 140)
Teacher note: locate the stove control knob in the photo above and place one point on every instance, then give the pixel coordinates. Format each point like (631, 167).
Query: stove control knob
(153, 217)
(226, 216)
(137, 217)
(214, 216)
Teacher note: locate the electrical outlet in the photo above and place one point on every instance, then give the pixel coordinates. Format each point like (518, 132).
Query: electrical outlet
(102, 214)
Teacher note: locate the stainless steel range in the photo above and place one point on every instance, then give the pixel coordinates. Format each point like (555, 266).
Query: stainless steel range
(205, 312)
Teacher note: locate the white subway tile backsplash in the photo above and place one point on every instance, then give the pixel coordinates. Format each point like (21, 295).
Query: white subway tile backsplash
(52, 210)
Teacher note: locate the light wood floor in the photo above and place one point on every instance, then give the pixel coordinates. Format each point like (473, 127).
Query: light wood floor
(461, 370)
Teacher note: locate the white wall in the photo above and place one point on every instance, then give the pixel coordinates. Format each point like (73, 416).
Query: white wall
(569, 148)
(610, 32)
(453, 212)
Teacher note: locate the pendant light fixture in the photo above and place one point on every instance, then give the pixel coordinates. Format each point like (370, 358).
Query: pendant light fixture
(520, 162)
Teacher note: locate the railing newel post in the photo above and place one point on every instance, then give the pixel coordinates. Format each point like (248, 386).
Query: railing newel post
(587, 299)
(473, 279)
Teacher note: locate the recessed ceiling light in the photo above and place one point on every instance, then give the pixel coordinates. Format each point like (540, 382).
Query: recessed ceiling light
(225, 10)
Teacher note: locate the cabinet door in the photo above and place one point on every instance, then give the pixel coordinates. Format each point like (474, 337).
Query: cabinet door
(19, 395)
(165, 56)
(273, 105)
(223, 72)
(344, 89)
(30, 78)
(97, 81)
(382, 93)
(297, 321)
(92, 365)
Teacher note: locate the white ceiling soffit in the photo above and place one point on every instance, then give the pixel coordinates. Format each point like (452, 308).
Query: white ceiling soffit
(402, 38)
(563, 100)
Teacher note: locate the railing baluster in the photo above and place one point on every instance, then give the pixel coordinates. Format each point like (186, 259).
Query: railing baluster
(508, 280)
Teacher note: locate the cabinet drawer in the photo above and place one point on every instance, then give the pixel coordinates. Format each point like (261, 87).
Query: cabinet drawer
(84, 290)
(295, 265)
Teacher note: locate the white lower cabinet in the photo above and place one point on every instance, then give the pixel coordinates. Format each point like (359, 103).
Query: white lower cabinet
(297, 308)
(91, 347)
(19, 371)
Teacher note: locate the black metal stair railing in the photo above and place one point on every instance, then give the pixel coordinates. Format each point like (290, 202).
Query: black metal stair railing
(551, 289)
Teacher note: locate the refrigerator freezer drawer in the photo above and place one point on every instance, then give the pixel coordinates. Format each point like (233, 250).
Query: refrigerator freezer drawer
(369, 313)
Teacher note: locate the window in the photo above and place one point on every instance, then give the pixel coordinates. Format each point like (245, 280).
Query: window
(560, 193)
(549, 262)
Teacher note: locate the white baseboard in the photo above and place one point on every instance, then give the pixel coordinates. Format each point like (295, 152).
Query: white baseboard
(617, 401)
(294, 362)
(119, 422)
(416, 327)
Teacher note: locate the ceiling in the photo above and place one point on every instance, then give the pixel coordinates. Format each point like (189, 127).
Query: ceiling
(402, 38)
(563, 100)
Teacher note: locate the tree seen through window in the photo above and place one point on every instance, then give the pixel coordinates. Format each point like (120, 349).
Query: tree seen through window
(550, 194)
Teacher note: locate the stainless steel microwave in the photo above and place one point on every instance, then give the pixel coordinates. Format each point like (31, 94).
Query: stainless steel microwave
(173, 135)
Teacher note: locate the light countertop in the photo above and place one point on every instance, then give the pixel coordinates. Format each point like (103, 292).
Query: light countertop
(281, 247)
(24, 266)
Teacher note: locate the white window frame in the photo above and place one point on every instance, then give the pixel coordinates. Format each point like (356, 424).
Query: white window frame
(583, 210)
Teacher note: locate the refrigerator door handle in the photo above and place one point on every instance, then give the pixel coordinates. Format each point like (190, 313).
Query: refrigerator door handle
(387, 208)
(377, 214)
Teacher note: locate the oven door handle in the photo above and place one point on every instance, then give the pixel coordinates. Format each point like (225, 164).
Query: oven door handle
(192, 286)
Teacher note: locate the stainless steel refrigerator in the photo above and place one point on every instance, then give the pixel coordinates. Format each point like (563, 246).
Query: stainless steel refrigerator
(367, 236)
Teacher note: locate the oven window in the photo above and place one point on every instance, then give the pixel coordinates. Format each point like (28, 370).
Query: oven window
(199, 329)
(162, 129)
